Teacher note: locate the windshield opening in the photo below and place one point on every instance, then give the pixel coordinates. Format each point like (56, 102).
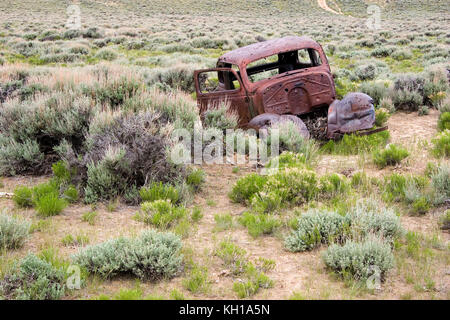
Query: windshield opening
(281, 63)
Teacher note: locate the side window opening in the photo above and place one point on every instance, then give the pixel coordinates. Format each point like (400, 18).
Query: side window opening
(215, 81)
(281, 63)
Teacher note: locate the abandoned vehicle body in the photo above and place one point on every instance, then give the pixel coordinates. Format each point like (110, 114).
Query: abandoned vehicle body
(279, 80)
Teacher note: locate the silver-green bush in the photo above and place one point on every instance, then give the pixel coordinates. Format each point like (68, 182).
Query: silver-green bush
(13, 231)
(368, 217)
(33, 278)
(314, 228)
(360, 260)
(152, 255)
(440, 180)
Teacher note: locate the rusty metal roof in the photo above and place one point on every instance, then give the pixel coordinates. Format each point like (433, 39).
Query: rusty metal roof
(267, 48)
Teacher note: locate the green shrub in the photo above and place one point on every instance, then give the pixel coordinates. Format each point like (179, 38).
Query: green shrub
(71, 34)
(50, 205)
(402, 55)
(61, 172)
(176, 295)
(375, 89)
(161, 213)
(259, 224)
(444, 121)
(407, 100)
(314, 228)
(444, 220)
(360, 180)
(159, 191)
(198, 280)
(288, 160)
(436, 86)
(152, 255)
(256, 280)
(92, 33)
(129, 294)
(106, 54)
(232, 256)
(63, 57)
(71, 194)
(78, 240)
(220, 118)
(89, 217)
(223, 221)
(394, 187)
(344, 86)
(410, 82)
(34, 278)
(421, 205)
(442, 144)
(293, 185)
(366, 71)
(246, 187)
(266, 202)
(177, 107)
(19, 157)
(31, 129)
(423, 111)
(179, 77)
(23, 197)
(49, 35)
(107, 178)
(43, 189)
(387, 104)
(196, 178)
(13, 231)
(333, 184)
(381, 117)
(389, 156)
(114, 93)
(355, 144)
(445, 105)
(196, 214)
(381, 52)
(123, 154)
(440, 181)
(358, 259)
(369, 217)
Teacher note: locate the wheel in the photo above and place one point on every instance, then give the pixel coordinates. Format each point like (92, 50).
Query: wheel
(266, 120)
(299, 123)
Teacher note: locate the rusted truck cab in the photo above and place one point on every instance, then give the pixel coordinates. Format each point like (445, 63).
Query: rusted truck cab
(290, 75)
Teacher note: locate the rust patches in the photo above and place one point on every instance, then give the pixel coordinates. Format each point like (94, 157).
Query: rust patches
(353, 113)
(285, 76)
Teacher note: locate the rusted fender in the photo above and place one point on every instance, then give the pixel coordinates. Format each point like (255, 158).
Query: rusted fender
(353, 113)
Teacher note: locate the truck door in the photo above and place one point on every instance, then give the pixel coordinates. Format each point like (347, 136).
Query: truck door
(218, 86)
(316, 86)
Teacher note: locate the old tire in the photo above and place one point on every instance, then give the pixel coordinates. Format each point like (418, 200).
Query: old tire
(302, 129)
(266, 120)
